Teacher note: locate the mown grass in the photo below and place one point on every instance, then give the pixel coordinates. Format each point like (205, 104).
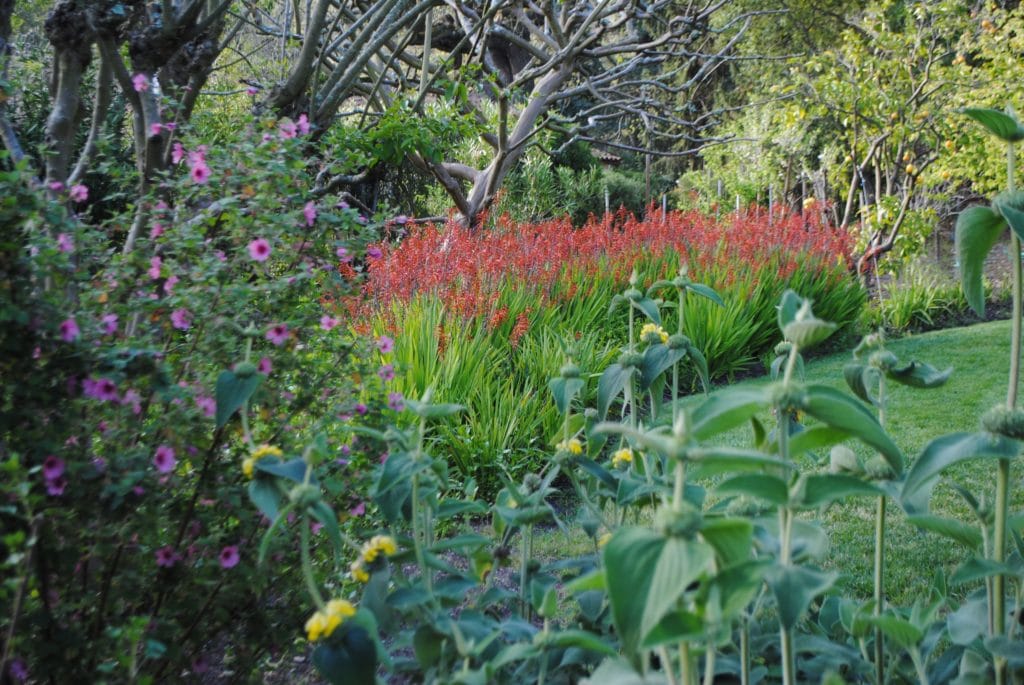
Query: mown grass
(979, 355)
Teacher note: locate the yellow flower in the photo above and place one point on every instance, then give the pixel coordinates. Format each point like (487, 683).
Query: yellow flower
(323, 623)
(315, 626)
(572, 446)
(603, 540)
(341, 607)
(248, 465)
(650, 328)
(809, 202)
(621, 457)
(384, 543)
(266, 451)
(358, 572)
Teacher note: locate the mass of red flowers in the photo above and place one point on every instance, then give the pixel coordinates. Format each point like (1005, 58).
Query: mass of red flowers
(467, 268)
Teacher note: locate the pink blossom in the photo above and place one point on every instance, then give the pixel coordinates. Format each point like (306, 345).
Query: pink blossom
(265, 366)
(140, 82)
(358, 510)
(102, 389)
(385, 344)
(219, 254)
(170, 126)
(286, 129)
(79, 193)
(181, 319)
(166, 557)
(361, 409)
(229, 557)
(197, 156)
(133, 399)
(69, 330)
(55, 186)
(169, 284)
(343, 254)
(259, 250)
(303, 124)
(395, 401)
(65, 243)
(109, 323)
(278, 334)
(401, 219)
(53, 467)
(200, 173)
(154, 267)
(374, 252)
(156, 231)
(56, 486)
(386, 372)
(164, 460)
(315, 527)
(309, 212)
(156, 129)
(251, 90)
(328, 322)
(177, 152)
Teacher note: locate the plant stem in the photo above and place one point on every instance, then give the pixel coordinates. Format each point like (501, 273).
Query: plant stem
(307, 564)
(523, 569)
(709, 664)
(666, 665)
(785, 522)
(880, 555)
(685, 669)
(744, 651)
(416, 535)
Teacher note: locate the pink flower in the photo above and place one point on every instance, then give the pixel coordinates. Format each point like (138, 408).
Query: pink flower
(309, 211)
(154, 267)
(156, 231)
(395, 401)
(102, 389)
(166, 557)
(361, 409)
(374, 252)
(286, 129)
(386, 372)
(229, 557)
(140, 82)
(278, 334)
(170, 126)
(56, 486)
(109, 323)
(343, 254)
(164, 460)
(251, 90)
(200, 173)
(156, 129)
(53, 467)
(328, 322)
(385, 344)
(55, 186)
(358, 510)
(169, 284)
(79, 193)
(207, 405)
(265, 367)
(197, 156)
(401, 219)
(303, 124)
(177, 152)
(65, 243)
(69, 330)
(181, 319)
(259, 249)
(133, 399)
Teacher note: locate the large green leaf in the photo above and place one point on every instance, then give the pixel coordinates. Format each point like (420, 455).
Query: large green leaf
(564, 390)
(646, 573)
(788, 307)
(795, 587)
(815, 438)
(725, 410)
(731, 538)
(266, 495)
(969, 621)
(855, 374)
(705, 291)
(919, 375)
(649, 308)
(977, 568)
(427, 410)
(233, 391)
(948, 450)
(610, 385)
(899, 630)
(823, 489)
(832, 407)
(702, 366)
(966, 535)
(762, 486)
(999, 124)
(657, 360)
(616, 671)
(581, 639)
(977, 230)
(348, 657)
(1011, 207)
(293, 469)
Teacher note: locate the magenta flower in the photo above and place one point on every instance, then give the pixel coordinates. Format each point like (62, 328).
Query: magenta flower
(154, 267)
(169, 284)
(361, 409)
(177, 152)
(278, 334)
(56, 487)
(102, 389)
(55, 186)
(229, 557)
(140, 82)
(374, 252)
(65, 243)
(386, 372)
(53, 467)
(358, 510)
(259, 249)
(309, 212)
(133, 399)
(252, 90)
(200, 173)
(109, 323)
(286, 129)
(395, 401)
(265, 366)
(303, 124)
(166, 557)
(181, 319)
(328, 322)
(401, 219)
(156, 231)
(343, 254)
(385, 344)
(79, 193)
(69, 330)
(156, 129)
(164, 460)
(18, 670)
(207, 405)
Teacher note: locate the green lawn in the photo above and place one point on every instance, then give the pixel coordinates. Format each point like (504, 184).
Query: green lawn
(980, 357)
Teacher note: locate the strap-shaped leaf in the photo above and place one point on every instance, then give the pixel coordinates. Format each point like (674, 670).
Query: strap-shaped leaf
(762, 486)
(966, 535)
(919, 375)
(727, 409)
(705, 291)
(427, 410)
(823, 489)
(648, 308)
(830, 406)
(702, 366)
(657, 360)
(977, 230)
(948, 450)
(610, 385)
(999, 124)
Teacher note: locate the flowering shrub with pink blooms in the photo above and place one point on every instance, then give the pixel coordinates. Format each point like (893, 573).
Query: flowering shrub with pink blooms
(129, 542)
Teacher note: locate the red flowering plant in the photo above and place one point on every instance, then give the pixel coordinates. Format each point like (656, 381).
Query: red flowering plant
(127, 348)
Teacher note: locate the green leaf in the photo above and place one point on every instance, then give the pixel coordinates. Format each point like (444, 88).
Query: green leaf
(760, 486)
(1011, 207)
(977, 568)
(657, 360)
(814, 438)
(348, 657)
(823, 489)
(705, 291)
(326, 516)
(736, 587)
(919, 375)
(233, 391)
(899, 630)
(564, 390)
(832, 407)
(731, 538)
(788, 307)
(646, 573)
(609, 386)
(795, 587)
(266, 495)
(726, 410)
(702, 366)
(649, 308)
(598, 471)
(959, 531)
(999, 124)
(616, 671)
(581, 639)
(977, 231)
(969, 621)
(426, 410)
(293, 469)
(948, 450)
(854, 374)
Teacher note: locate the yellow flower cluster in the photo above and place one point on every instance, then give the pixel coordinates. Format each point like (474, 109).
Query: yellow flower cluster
(323, 622)
(378, 544)
(623, 456)
(653, 328)
(572, 446)
(249, 464)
